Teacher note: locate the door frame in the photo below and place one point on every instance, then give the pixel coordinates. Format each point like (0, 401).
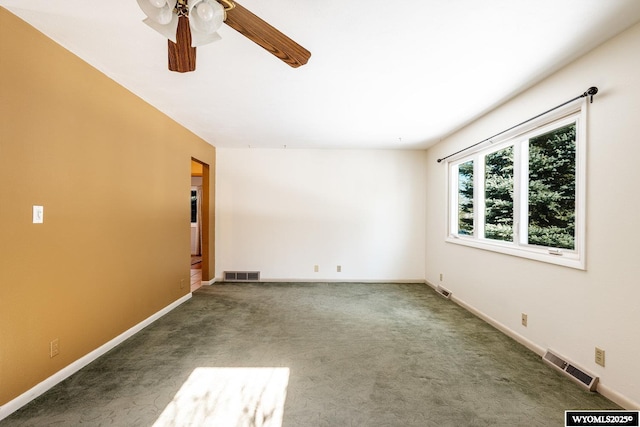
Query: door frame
(205, 215)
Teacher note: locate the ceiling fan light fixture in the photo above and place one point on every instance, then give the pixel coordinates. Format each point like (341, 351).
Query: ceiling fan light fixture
(158, 3)
(160, 11)
(205, 19)
(204, 11)
(167, 30)
(201, 39)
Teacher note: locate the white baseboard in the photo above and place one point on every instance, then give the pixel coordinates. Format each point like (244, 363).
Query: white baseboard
(263, 280)
(499, 326)
(26, 397)
(607, 392)
(617, 398)
(209, 282)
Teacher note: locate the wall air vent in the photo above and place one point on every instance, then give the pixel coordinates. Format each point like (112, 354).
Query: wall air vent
(443, 292)
(241, 276)
(579, 375)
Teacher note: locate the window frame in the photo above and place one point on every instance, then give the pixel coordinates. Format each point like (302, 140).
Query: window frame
(519, 138)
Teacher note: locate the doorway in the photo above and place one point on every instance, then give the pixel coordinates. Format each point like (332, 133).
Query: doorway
(199, 224)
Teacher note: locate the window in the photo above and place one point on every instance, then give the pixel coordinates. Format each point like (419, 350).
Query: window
(524, 194)
(552, 184)
(465, 198)
(194, 206)
(498, 195)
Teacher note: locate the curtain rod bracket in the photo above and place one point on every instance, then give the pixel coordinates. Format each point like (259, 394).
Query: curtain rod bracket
(590, 92)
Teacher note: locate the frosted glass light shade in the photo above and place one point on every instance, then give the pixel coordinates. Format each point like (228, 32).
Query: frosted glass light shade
(167, 30)
(205, 19)
(162, 15)
(201, 39)
(205, 11)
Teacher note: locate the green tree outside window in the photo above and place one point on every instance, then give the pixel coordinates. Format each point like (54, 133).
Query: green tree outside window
(465, 198)
(499, 195)
(552, 188)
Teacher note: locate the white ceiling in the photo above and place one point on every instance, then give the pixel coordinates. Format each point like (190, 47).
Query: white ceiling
(382, 74)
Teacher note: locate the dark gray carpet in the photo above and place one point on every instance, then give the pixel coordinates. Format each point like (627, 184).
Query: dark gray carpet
(358, 355)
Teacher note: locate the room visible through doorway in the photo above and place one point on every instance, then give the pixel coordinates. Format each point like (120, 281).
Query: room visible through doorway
(199, 221)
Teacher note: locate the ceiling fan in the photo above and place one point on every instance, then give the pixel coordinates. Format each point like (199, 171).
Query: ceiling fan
(192, 23)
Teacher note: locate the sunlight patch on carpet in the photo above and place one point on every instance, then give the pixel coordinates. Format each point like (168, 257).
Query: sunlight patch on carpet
(229, 397)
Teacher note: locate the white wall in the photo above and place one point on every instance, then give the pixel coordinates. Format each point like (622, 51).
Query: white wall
(569, 310)
(282, 211)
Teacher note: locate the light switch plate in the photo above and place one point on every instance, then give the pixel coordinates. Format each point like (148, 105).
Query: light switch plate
(38, 214)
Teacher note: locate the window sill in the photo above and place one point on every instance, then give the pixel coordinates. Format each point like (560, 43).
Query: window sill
(565, 259)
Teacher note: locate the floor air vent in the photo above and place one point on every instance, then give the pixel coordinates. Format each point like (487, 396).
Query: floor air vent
(579, 375)
(443, 292)
(241, 276)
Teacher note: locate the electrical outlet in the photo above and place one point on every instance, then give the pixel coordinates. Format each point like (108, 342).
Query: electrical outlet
(183, 283)
(316, 268)
(54, 348)
(524, 319)
(339, 269)
(441, 275)
(600, 356)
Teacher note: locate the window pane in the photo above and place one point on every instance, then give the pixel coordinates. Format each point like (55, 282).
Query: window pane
(552, 188)
(465, 198)
(499, 195)
(194, 206)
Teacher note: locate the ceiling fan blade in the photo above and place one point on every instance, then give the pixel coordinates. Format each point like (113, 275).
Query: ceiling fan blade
(182, 56)
(257, 30)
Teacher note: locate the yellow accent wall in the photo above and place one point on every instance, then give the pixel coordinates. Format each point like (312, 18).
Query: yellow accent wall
(114, 246)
